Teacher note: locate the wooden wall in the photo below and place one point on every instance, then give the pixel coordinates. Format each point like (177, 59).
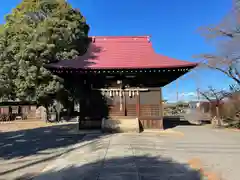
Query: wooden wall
(151, 123)
(147, 107)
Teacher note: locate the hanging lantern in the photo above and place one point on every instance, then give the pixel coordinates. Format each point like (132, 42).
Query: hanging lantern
(110, 93)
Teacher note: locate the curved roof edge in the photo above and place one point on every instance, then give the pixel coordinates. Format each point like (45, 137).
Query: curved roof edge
(122, 52)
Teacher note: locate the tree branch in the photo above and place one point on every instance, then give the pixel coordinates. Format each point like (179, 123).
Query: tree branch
(225, 72)
(204, 95)
(237, 72)
(225, 33)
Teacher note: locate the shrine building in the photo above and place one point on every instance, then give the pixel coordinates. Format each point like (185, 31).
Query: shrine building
(129, 75)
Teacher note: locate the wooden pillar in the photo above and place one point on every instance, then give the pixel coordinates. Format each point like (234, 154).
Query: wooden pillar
(138, 105)
(161, 104)
(81, 115)
(125, 103)
(82, 104)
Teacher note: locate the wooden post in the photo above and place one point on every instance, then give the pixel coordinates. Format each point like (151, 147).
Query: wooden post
(81, 114)
(138, 105)
(161, 104)
(125, 103)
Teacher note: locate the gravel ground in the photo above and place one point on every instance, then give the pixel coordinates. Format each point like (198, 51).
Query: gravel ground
(26, 147)
(151, 156)
(52, 153)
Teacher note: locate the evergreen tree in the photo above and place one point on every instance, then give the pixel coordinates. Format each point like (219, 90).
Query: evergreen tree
(38, 32)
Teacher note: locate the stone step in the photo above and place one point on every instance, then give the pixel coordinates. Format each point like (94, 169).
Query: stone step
(120, 125)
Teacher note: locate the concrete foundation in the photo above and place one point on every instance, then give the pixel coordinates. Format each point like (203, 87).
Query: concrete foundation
(120, 125)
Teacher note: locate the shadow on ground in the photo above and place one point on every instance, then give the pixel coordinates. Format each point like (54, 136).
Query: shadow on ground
(18, 144)
(128, 168)
(190, 118)
(171, 122)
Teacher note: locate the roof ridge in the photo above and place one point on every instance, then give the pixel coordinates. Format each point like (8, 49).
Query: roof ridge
(120, 37)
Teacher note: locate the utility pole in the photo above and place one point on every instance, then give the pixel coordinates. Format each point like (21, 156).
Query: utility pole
(198, 88)
(198, 95)
(177, 89)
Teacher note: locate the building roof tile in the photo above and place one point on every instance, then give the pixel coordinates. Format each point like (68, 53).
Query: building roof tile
(121, 52)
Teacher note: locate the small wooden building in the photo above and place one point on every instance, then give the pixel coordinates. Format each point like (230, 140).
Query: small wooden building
(128, 74)
(12, 110)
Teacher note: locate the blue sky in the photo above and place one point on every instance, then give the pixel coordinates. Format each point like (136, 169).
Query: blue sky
(172, 24)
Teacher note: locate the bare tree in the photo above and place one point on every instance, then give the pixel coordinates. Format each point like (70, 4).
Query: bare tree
(215, 99)
(231, 109)
(227, 38)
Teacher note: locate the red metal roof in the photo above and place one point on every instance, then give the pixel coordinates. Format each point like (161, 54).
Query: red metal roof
(122, 52)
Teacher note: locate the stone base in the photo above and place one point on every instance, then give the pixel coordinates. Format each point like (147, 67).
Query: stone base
(120, 125)
(90, 124)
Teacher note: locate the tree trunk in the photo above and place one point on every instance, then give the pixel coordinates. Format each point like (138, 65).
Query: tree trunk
(211, 114)
(216, 121)
(218, 117)
(47, 113)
